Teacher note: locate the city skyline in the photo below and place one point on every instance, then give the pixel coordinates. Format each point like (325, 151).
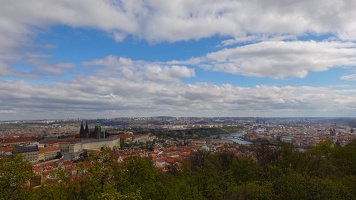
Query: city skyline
(108, 59)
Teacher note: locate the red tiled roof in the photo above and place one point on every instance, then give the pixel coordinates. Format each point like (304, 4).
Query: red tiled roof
(67, 162)
(40, 150)
(53, 148)
(185, 154)
(46, 149)
(178, 160)
(171, 160)
(7, 149)
(141, 135)
(17, 140)
(49, 141)
(125, 136)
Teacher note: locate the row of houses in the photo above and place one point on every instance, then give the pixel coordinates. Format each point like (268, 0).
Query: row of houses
(137, 138)
(31, 152)
(52, 147)
(16, 141)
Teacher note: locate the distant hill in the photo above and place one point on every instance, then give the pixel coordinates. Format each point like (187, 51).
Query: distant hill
(352, 123)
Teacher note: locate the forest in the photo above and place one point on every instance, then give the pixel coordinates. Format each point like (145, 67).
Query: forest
(273, 172)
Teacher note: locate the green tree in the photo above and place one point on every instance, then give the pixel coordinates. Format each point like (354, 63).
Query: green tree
(60, 186)
(98, 173)
(115, 195)
(15, 174)
(265, 154)
(210, 174)
(246, 170)
(350, 183)
(324, 148)
(176, 187)
(253, 190)
(345, 158)
(137, 173)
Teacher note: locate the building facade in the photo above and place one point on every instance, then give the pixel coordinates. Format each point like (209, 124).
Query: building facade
(78, 147)
(29, 152)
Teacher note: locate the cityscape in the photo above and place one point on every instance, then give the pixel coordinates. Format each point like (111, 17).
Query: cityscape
(167, 142)
(177, 99)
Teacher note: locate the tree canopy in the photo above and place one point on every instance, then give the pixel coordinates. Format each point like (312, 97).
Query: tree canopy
(275, 172)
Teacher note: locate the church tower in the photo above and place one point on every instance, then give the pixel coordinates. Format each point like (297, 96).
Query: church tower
(81, 132)
(98, 130)
(86, 131)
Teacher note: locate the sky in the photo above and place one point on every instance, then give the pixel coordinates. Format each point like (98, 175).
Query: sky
(202, 58)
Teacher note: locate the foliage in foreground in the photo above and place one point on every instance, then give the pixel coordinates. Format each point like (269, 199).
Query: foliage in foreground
(323, 172)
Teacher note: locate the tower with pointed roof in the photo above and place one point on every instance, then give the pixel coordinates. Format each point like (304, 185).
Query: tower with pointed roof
(81, 132)
(98, 130)
(86, 131)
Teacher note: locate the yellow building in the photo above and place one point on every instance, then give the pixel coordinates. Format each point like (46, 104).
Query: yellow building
(48, 153)
(75, 148)
(29, 152)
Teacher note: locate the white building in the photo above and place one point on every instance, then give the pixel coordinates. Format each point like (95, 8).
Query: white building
(92, 144)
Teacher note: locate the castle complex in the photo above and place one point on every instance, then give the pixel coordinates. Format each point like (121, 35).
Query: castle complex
(97, 133)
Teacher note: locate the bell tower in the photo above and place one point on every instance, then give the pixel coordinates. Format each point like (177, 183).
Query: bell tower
(98, 130)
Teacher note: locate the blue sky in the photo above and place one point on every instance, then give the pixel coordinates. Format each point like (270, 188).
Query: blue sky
(112, 58)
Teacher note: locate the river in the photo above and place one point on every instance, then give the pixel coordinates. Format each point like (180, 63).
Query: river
(237, 138)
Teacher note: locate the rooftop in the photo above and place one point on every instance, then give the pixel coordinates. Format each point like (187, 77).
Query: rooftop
(24, 149)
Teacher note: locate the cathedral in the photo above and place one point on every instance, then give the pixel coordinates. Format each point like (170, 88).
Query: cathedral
(87, 133)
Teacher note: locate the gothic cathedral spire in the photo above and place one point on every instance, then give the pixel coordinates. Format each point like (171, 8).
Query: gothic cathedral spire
(81, 132)
(86, 131)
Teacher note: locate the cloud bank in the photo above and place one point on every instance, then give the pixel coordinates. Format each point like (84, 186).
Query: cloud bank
(92, 96)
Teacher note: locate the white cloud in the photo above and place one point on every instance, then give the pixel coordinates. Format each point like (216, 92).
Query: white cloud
(279, 59)
(7, 112)
(183, 20)
(140, 70)
(21, 21)
(113, 97)
(351, 77)
(173, 73)
(174, 20)
(103, 14)
(43, 68)
(255, 39)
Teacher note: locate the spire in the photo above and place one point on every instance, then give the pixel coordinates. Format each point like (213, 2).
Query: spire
(86, 131)
(81, 132)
